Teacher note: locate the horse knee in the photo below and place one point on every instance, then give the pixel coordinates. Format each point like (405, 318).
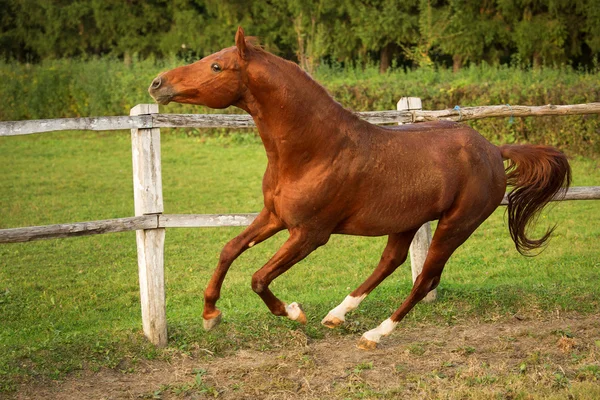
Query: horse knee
(258, 284)
(424, 285)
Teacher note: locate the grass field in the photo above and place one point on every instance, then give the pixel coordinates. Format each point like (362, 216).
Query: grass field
(74, 303)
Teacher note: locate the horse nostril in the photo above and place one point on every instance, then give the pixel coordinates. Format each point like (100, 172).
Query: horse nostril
(156, 83)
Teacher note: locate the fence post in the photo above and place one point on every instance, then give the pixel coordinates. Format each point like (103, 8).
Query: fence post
(420, 244)
(148, 199)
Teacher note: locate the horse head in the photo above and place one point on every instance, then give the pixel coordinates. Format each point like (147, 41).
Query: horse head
(215, 81)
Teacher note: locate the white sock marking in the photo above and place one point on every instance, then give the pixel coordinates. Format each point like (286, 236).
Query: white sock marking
(293, 311)
(350, 303)
(386, 327)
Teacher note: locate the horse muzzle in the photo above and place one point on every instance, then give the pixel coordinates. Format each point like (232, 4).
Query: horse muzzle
(162, 93)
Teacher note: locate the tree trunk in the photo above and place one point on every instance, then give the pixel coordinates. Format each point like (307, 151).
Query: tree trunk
(385, 59)
(457, 62)
(537, 60)
(127, 59)
(301, 52)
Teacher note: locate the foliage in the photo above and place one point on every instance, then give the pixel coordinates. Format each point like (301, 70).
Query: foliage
(457, 32)
(108, 86)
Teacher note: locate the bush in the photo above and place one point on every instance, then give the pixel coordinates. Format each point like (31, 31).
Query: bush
(73, 88)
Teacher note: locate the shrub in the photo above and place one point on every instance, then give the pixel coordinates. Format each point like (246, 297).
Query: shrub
(74, 88)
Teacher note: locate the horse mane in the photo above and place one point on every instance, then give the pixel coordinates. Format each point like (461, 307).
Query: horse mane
(294, 71)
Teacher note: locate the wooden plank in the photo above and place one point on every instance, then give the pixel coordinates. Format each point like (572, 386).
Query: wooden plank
(13, 128)
(28, 234)
(388, 116)
(574, 193)
(147, 180)
(581, 193)
(148, 199)
(409, 103)
(151, 273)
(245, 121)
(205, 220)
(151, 221)
(419, 248)
(203, 121)
(474, 113)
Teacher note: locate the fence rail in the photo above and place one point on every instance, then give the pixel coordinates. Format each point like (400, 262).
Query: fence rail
(154, 221)
(150, 222)
(14, 128)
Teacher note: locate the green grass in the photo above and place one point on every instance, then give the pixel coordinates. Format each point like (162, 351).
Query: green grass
(74, 303)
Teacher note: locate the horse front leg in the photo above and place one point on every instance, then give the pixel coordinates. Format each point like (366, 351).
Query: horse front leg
(393, 256)
(263, 227)
(299, 245)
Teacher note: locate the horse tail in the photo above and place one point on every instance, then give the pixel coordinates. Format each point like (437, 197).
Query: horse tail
(537, 174)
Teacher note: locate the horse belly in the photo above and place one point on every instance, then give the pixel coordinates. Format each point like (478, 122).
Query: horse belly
(383, 216)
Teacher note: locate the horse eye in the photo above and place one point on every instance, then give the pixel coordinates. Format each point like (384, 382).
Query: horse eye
(215, 67)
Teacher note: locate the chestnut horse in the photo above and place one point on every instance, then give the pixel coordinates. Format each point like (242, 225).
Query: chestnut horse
(330, 172)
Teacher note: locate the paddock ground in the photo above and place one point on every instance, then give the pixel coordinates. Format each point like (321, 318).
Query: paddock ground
(537, 356)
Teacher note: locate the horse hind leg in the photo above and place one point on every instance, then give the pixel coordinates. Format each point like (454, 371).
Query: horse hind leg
(394, 255)
(452, 231)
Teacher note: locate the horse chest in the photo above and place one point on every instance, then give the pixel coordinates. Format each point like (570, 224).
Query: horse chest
(300, 201)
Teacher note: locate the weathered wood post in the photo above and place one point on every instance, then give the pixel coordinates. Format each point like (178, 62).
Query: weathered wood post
(420, 244)
(148, 199)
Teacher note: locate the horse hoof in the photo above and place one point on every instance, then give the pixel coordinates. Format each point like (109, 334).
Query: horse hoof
(295, 313)
(210, 324)
(366, 344)
(302, 318)
(331, 321)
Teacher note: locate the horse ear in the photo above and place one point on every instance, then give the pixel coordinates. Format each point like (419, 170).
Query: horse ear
(240, 42)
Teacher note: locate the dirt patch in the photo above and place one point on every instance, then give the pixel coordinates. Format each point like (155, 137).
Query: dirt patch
(512, 358)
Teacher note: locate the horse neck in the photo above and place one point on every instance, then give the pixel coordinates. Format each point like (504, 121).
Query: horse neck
(295, 116)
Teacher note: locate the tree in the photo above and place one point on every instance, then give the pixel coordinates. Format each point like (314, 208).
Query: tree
(433, 25)
(413, 32)
(45, 29)
(476, 32)
(130, 27)
(383, 26)
(591, 25)
(545, 32)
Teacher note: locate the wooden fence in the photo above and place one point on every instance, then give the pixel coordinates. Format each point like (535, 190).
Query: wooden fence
(405, 115)
(149, 221)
